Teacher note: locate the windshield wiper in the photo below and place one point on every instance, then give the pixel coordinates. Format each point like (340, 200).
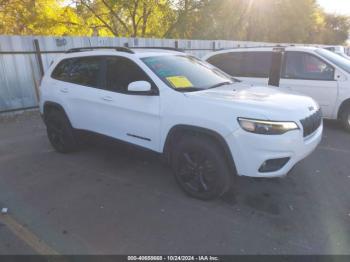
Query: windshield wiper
(191, 89)
(220, 84)
(187, 89)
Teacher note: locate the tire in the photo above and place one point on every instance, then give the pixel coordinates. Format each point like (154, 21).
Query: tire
(200, 168)
(60, 132)
(345, 118)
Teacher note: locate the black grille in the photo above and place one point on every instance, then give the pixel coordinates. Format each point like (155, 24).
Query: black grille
(311, 123)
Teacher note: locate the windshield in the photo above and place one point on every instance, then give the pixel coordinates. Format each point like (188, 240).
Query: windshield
(186, 73)
(338, 60)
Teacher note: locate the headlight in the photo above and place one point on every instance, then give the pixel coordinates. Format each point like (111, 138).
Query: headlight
(266, 127)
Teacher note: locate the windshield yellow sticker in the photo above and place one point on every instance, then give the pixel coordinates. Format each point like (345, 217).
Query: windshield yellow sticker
(179, 81)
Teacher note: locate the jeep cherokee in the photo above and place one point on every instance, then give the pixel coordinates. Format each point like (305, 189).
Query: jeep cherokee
(208, 125)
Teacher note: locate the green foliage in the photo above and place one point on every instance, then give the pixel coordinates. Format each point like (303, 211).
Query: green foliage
(126, 17)
(336, 29)
(39, 17)
(294, 21)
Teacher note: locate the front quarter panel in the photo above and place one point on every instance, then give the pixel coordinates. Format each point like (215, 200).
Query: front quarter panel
(178, 109)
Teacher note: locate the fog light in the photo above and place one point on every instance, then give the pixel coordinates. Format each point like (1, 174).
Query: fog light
(272, 165)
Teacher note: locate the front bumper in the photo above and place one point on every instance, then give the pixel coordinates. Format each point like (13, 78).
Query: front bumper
(250, 150)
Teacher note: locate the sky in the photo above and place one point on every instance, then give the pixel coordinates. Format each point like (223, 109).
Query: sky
(336, 6)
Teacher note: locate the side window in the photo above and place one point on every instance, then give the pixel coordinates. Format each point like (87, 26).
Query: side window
(61, 72)
(230, 63)
(83, 71)
(305, 66)
(121, 72)
(256, 64)
(244, 64)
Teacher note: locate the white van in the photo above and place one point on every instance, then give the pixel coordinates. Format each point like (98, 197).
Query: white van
(316, 72)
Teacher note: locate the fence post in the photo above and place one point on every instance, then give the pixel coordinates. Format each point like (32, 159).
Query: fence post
(41, 66)
(276, 68)
(38, 57)
(214, 46)
(176, 44)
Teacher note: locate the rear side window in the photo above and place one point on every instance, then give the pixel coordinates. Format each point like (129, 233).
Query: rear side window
(299, 65)
(61, 72)
(121, 72)
(230, 63)
(244, 64)
(82, 71)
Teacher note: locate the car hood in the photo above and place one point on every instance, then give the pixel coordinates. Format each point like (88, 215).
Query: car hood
(270, 102)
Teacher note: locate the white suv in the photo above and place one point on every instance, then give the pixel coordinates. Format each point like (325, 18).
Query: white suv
(207, 125)
(316, 72)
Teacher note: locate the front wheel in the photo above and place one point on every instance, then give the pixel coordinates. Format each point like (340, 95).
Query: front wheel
(200, 168)
(345, 118)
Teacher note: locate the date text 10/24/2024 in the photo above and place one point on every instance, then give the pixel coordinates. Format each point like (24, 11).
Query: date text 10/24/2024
(173, 258)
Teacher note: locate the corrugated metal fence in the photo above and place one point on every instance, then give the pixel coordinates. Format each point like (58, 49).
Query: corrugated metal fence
(20, 71)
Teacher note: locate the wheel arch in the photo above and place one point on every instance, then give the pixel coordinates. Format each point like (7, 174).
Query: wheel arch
(176, 132)
(48, 106)
(343, 105)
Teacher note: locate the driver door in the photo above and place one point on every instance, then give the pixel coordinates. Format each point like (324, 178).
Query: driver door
(129, 116)
(308, 74)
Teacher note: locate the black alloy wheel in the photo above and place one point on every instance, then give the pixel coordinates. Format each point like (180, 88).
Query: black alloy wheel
(200, 168)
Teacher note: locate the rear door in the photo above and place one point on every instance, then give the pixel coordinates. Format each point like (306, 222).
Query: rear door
(308, 74)
(79, 89)
(250, 66)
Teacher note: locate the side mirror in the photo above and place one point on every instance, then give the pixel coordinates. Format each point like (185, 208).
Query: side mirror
(339, 76)
(139, 86)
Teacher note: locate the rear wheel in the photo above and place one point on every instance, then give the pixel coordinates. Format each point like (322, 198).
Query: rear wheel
(60, 132)
(200, 168)
(345, 118)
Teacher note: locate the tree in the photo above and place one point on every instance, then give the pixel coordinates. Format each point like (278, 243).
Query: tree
(186, 14)
(336, 29)
(293, 21)
(128, 17)
(39, 17)
(263, 20)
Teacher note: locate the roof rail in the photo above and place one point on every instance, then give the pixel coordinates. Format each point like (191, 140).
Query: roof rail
(257, 46)
(262, 46)
(158, 47)
(91, 48)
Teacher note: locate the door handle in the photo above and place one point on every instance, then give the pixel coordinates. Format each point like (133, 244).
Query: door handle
(64, 90)
(107, 98)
